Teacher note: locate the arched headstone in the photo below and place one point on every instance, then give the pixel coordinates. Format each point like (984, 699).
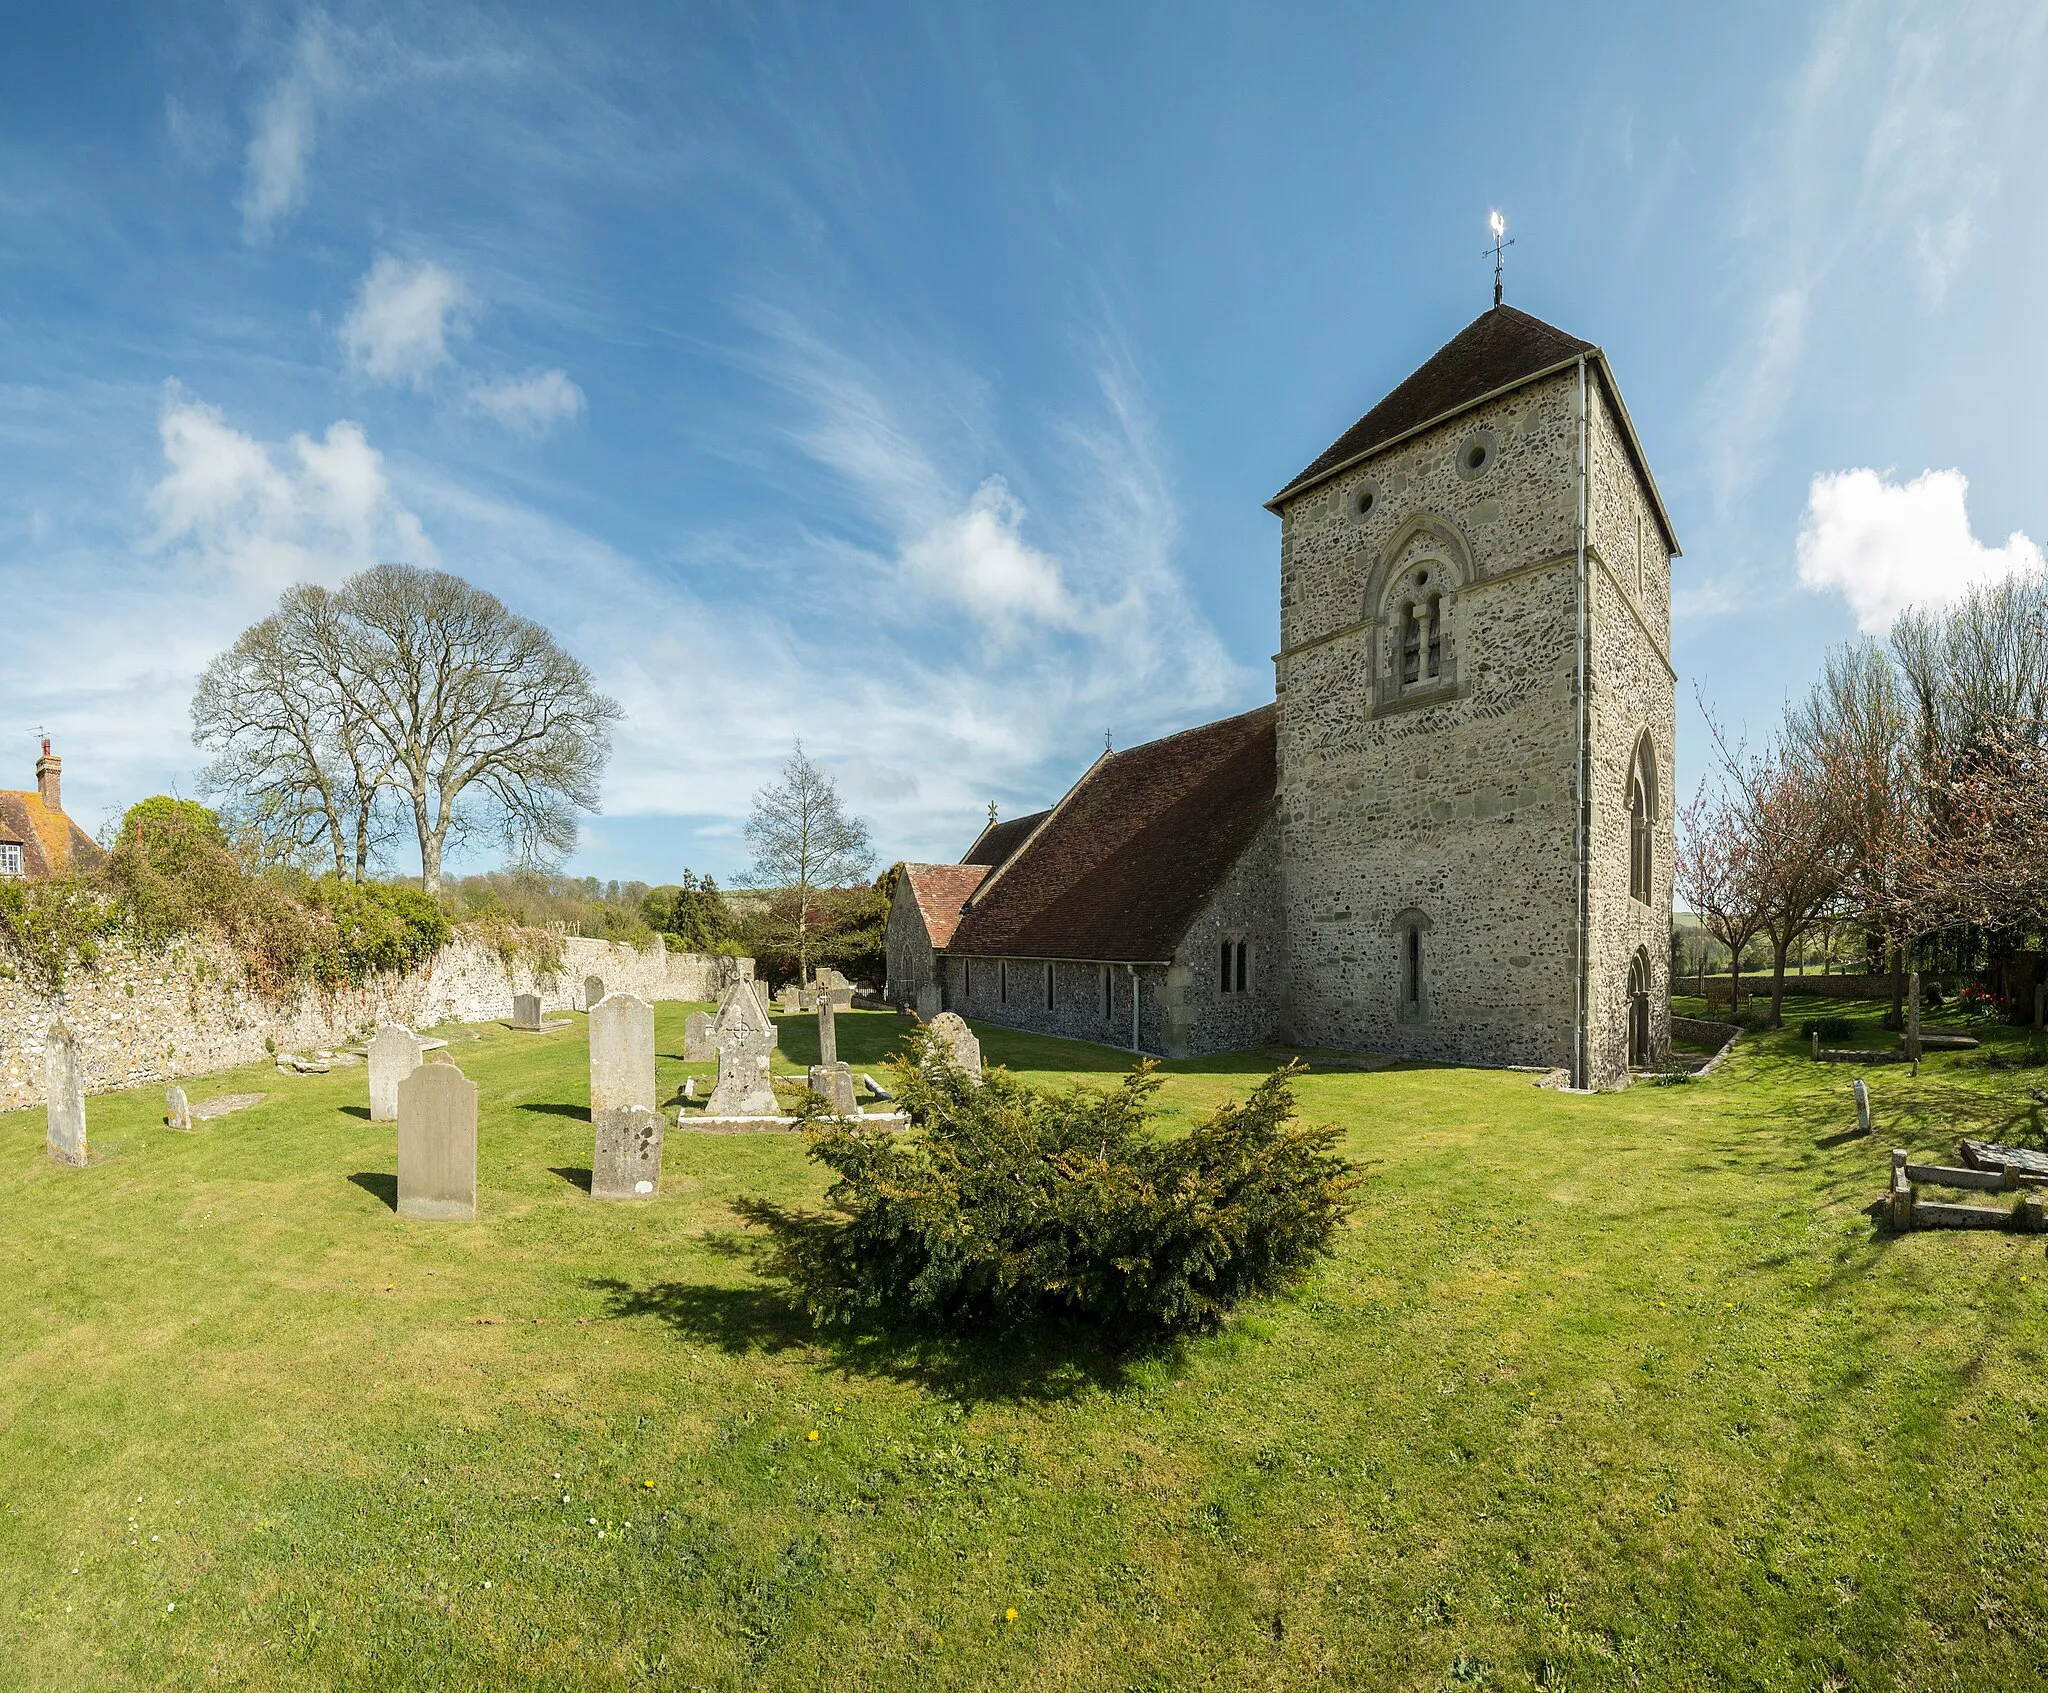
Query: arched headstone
(621, 1053)
(437, 1144)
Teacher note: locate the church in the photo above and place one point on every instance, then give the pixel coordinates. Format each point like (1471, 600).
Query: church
(1449, 836)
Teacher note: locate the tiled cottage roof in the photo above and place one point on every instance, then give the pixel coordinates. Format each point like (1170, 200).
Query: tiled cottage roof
(1496, 350)
(940, 890)
(998, 843)
(50, 842)
(1130, 856)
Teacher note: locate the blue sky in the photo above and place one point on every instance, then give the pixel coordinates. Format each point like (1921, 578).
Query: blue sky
(909, 379)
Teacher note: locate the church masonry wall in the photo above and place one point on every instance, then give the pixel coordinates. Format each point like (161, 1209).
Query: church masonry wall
(974, 989)
(907, 947)
(1199, 1016)
(1461, 810)
(1634, 692)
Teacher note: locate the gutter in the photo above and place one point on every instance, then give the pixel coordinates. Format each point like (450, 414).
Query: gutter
(1582, 987)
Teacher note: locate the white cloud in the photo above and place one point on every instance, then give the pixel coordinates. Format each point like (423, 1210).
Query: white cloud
(532, 403)
(403, 318)
(1885, 545)
(267, 516)
(977, 558)
(274, 175)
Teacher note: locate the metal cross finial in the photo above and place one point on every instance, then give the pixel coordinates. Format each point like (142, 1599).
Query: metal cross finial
(991, 813)
(1106, 746)
(1499, 226)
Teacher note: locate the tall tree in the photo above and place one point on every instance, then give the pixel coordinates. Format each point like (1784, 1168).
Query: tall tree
(1714, 878)
(805, 847)
(415, 686)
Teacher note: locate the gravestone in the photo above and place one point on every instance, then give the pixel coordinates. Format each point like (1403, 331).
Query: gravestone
(928, 1001)
(437, 1144)
(593, 991)
(828, 1032)
(698, 1045)
(1913, 1016)
(395, 1052)
(743, 1087)
(526, 1011)
(627, 1162)
(1862, 1107)
(835, 1082)
(621, 1053)
(762, 997)
(957, 1042)
(177, 1109)
(791, 997)
(64, 1086)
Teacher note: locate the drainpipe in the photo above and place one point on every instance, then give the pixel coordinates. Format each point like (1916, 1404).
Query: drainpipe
(1582, 1058)
(1132, 971)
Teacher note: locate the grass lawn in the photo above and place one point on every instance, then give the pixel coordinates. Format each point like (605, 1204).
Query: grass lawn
(1598, 1392)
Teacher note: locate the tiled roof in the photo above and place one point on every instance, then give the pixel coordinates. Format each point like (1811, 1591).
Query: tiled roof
(998, 843)
(1496, 350)
(940, 890)
(1127, 860)
(50, 842)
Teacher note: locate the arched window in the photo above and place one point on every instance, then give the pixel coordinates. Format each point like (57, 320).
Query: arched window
(1642, 818)
(1639, 1010)
(1233, 973)
(1433, 658)
(1411, 644)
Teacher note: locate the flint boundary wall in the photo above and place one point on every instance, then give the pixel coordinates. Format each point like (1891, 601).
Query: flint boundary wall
(145, 1018)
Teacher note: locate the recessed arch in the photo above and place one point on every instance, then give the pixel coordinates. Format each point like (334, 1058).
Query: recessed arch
(1422, 536)
(1642, 820)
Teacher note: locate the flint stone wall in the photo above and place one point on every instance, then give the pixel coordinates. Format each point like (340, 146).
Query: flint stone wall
(143, 1018)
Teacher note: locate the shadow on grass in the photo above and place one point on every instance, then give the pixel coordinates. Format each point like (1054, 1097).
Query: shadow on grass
(362, 1111)
(573, 1175)
(381, 1184)
(581, 1113)
(1034, 1363)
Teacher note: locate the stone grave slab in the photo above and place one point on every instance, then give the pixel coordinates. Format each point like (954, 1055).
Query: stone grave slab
(593, 991)
(958, 1042)
(526, 1011)
(627, 1160)
(64, 1088)
(698, 1045)
(437, 1144)
(223, 1103)
(621, 1053)
(177, 1110)
(744, 1089)
(395, 1052)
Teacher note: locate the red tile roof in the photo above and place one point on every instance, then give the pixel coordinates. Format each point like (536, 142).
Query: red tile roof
(1127, 860)
(940, 890)
(50, 842)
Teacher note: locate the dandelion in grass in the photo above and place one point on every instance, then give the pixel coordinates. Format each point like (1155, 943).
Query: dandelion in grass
(813, 1435)
(1010, 1615)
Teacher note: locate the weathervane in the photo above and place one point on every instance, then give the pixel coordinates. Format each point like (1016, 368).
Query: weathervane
(1499, 226)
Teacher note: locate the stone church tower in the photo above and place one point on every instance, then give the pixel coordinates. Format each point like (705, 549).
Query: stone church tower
(1476, 719)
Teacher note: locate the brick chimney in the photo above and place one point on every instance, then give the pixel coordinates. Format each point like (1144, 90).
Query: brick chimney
(49, 777)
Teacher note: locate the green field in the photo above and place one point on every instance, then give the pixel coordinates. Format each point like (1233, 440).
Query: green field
(1598, 1392)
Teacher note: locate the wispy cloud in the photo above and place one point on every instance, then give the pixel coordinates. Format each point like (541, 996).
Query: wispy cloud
(530, 404)
(284, 126)
(1885, 545)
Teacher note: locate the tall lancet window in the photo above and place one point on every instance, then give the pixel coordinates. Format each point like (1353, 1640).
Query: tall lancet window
(1642, 818)
(1411, 644)
(1433, 659)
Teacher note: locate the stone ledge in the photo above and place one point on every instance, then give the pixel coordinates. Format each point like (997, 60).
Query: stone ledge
(780, 1125)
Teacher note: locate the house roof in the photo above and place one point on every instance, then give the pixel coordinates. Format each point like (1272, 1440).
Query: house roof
(940, 890)
(1126, 861)
(50, 842)
(998, 842)
(1499, 350)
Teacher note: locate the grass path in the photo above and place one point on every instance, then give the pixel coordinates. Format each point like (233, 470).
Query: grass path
(1611, 1392)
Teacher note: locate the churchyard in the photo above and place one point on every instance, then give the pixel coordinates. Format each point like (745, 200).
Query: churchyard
(1598, 1392)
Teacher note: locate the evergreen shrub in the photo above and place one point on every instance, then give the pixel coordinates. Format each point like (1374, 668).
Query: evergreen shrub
(1006, 1202)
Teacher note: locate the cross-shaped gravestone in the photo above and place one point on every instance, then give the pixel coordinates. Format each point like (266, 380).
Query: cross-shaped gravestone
(437, 1144)
(828, 1032)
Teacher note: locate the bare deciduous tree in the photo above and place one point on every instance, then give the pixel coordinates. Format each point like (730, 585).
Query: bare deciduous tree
(1712, 876)
(411, 687)
(805, 845)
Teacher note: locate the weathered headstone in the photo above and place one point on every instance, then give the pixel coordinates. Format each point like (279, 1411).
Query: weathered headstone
(835, 1082)
(593, 991)
(621, 1053)
(762, 997)
(791, 997)
(526, 1011)
(958, 1043)
(1862, 1107)
(64, 1085)
(828, 1032)
(395, 1052)
(437, 1144)
(177, 1109)
(744, 1089)
(690, 1089)
(698, 1045)
(929, 1003)
(627, 1162)
(1913, 1016)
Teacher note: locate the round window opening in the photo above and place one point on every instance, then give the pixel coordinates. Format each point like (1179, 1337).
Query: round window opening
(1475, 455)
(1365, 502)
(1422, 579)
